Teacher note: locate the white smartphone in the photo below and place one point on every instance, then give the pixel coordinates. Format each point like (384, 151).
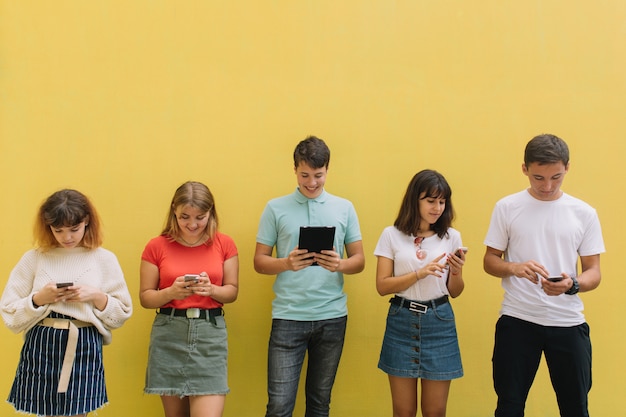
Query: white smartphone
(458, 251)
(556, 278)
(192, 278)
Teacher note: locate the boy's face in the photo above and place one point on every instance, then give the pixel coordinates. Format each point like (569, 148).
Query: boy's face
(545, 179)
(310, 180)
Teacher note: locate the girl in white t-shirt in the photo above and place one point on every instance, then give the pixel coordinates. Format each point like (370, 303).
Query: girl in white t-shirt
(420, 261)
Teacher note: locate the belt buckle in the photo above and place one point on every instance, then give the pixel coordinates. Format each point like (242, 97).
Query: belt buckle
(417, 307)
(192, 313)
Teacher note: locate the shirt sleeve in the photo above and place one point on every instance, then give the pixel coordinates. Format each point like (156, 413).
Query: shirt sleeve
(119, 304)
(16, 305)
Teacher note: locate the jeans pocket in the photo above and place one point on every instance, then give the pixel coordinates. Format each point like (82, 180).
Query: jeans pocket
(444, 312)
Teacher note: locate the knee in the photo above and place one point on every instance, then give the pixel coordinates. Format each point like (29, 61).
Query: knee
(434, 412)
(404, 411)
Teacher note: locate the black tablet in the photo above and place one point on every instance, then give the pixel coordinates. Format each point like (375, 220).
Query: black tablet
(316, 238)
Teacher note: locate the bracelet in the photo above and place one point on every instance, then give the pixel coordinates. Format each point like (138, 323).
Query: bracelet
(32, 299)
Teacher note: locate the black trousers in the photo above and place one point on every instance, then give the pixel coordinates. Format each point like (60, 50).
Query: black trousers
(516, 357)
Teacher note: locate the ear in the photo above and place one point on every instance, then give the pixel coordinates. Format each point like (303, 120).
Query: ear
(524, 169)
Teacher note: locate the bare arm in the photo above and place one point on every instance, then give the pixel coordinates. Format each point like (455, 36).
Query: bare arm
(149, 294)
(265, 263)
(352, 264)
(494, 264)
(387, 283)
(455, 283)
(588, 280)
(590, 276)
(228, 291)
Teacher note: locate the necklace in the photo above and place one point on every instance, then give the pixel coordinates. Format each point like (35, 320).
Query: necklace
(419, 252)
(191, 244)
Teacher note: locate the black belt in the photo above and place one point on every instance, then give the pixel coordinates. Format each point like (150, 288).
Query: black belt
(418, 306)
(192, 313)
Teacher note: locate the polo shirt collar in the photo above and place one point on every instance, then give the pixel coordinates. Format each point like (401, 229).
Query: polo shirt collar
(301, 198)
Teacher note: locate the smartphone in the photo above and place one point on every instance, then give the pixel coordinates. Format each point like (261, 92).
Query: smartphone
(461, 249)
(555, 278)
(64, 284)
(192, 278)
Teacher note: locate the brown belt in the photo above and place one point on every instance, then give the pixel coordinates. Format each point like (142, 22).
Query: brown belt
(70, 349)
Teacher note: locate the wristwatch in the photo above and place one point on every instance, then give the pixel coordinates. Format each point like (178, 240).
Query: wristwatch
(575, 287)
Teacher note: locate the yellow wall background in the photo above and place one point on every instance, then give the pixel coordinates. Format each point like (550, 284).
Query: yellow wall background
(126, 100)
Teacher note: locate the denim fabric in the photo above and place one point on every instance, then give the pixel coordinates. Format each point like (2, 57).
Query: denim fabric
(187, 356)
(516, 356)
(421, 345)
(289, 342)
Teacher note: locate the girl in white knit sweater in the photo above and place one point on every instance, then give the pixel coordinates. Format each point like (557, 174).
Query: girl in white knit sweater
(67, 295)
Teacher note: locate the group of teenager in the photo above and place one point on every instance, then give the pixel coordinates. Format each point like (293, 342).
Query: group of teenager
(68, 293)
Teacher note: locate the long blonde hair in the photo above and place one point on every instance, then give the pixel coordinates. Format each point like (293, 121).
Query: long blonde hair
(194, 194)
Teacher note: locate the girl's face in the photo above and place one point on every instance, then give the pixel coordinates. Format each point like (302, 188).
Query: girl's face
(191, 221)
(69, 236)
(430, 209)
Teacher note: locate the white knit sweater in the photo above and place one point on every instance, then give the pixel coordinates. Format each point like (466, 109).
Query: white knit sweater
(97, 268)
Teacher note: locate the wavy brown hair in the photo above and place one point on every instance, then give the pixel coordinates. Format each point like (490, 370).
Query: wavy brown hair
(67, 208)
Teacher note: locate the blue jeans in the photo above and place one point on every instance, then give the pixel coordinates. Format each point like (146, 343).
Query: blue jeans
(289, 342)
(516, 356)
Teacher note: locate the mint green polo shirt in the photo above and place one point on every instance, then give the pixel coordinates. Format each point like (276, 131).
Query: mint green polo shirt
(312, 293)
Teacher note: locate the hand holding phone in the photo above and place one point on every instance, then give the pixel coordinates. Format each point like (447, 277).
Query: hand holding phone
(555, 278)
(192, 278)
(461, 249)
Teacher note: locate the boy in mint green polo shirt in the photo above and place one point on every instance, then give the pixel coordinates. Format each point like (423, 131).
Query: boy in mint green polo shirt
(309, 312)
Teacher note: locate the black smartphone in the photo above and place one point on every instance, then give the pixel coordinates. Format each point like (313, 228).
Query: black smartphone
(64, 284)
(555, 278)
(192, 278)
(461, 249)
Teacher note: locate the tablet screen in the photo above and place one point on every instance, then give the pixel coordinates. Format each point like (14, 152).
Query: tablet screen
(316, 238)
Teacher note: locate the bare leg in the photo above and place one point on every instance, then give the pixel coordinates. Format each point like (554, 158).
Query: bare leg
(403, 396)
(207, 405)
(434, 398)
(174, 406)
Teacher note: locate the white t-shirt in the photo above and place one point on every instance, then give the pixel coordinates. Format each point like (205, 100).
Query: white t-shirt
(553, 233)
(400, 248)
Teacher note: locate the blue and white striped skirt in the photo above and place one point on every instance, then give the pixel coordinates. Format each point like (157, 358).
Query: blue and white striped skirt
(36, 381)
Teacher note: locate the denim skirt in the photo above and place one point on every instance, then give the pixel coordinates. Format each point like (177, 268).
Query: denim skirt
(187, 356)
(36, 381)
(421, 345)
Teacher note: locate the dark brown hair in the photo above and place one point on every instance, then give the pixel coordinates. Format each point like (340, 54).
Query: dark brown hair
(433, 185)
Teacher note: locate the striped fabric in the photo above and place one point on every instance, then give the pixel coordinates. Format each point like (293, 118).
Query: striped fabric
(34, 389)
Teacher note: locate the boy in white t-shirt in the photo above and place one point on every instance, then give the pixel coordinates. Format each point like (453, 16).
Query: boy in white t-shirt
(534, 241)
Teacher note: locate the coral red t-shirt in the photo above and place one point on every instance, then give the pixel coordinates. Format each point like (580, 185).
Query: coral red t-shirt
(174, 260)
